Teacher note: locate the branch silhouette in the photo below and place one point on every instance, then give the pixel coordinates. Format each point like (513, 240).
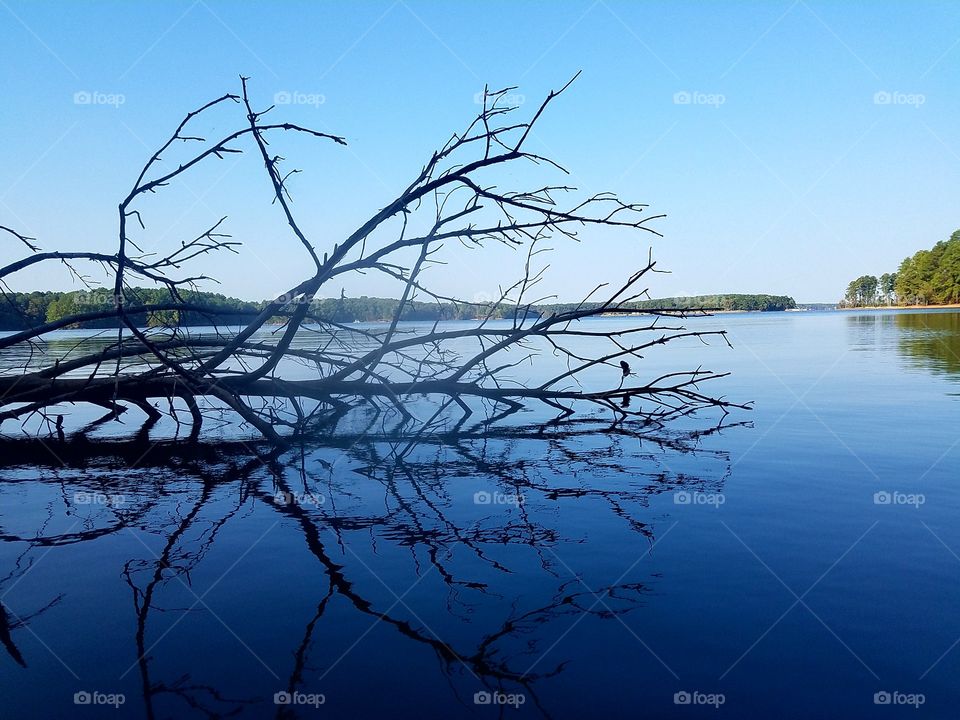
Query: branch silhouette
(155, 365)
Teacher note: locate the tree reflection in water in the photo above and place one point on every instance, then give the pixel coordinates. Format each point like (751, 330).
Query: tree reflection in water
(484, 513)
(931, 340)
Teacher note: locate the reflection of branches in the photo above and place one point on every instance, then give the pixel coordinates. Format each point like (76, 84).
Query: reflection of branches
(176, 559)
(300, 655)
(106, 508)
(10, 621)
(421, 520)
(485, 663)
(409, 498)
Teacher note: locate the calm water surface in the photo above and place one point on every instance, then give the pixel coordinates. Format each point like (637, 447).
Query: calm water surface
(791, 567)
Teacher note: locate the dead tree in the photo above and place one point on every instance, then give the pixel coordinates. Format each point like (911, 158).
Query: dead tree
(164, 370)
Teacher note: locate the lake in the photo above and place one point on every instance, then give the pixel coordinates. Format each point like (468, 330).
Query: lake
(801, 560)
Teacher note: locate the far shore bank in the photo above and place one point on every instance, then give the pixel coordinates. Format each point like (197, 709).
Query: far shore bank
(951, 306)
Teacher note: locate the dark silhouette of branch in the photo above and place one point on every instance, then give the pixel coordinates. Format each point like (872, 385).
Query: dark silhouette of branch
(401, 372)
(181, 509)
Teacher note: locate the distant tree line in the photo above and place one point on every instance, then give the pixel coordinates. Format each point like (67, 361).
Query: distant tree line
(21, 310)
(755, 303)
(870, 291)
(928, 277)
(376, 309)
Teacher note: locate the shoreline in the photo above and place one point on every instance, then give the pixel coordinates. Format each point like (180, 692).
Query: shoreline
(950, 306)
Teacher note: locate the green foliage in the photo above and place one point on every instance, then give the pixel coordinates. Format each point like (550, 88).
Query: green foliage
(888, 282)
(19, 311)
(946, 276)
(61, 307)
(25, 310)
(930, 277)
(862, 291)
(761, 303)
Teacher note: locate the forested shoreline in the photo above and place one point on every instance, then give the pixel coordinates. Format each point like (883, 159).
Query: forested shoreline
(928, 277)
(24, 310)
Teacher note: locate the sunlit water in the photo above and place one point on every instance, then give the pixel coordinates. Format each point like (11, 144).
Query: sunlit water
(793, 567)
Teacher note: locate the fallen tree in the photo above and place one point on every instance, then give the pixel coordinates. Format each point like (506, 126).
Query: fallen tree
(383, 370)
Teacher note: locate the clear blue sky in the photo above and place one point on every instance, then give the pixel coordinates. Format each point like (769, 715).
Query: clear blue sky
(796, 182)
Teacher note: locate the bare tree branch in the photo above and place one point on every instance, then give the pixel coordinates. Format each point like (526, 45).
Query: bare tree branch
(397, 370)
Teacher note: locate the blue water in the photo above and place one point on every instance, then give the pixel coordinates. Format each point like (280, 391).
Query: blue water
(795, 564)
